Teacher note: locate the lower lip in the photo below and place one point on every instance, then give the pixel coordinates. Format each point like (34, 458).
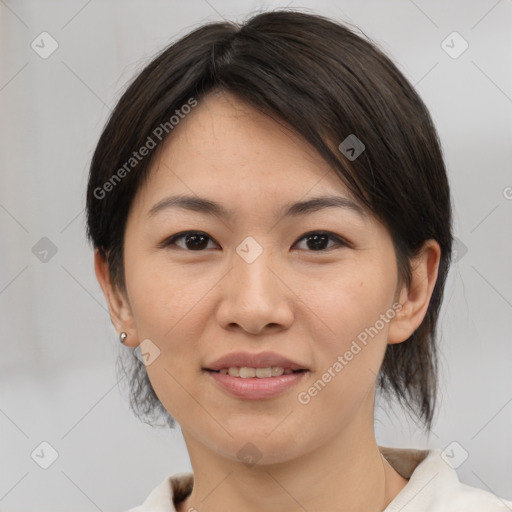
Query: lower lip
(255, 388)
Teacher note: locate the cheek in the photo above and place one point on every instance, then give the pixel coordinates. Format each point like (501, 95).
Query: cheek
(163, 298)
(355, 312)
(347, 366)
(347, 301)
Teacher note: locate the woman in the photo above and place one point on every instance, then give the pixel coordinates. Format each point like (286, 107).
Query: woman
(271, 219)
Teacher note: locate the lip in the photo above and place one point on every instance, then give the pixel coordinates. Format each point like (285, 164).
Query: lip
(255, 388)
(260, 360)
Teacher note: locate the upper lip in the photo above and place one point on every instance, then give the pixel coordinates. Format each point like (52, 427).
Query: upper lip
(260, 360)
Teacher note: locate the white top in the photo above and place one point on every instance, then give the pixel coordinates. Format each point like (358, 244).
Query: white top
(433, 487)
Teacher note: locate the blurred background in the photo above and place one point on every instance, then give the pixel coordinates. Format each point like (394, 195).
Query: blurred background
(68, 440)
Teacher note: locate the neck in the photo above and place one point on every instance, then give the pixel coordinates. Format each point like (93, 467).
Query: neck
(347, 473)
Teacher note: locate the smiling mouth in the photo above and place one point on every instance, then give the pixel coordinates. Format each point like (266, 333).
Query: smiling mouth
(245, 372)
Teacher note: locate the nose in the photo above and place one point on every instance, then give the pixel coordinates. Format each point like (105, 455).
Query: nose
(255, 296)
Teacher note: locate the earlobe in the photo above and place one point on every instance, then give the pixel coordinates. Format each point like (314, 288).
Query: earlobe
(119, 308)
(416, 298)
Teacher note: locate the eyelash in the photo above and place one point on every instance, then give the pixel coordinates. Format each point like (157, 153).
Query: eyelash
(168, 242)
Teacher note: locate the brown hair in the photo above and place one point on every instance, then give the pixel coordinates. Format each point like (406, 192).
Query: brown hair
(326, 82)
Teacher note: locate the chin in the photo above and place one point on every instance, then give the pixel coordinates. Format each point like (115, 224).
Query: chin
(259, 448)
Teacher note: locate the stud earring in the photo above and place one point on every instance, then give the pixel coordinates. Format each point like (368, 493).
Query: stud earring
(122, 337)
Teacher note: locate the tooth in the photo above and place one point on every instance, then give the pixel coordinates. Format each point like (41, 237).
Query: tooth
(263, 372)
(247, 373)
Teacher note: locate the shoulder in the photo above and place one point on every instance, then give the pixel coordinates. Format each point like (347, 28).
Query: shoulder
(434, 486)
(169, 491)
(468, 498)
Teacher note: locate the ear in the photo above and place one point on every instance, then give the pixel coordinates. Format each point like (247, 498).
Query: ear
(416, 298)
(118, 305)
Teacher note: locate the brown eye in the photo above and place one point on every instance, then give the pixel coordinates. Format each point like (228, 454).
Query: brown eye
(318, 240)
(192, 240)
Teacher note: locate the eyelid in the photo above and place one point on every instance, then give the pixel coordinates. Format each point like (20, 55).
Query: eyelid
(340, 241)
(169, 241)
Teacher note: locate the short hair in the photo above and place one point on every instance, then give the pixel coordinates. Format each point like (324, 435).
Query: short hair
(327, 83)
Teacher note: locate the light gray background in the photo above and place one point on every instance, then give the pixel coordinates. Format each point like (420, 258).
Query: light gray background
(58, 349)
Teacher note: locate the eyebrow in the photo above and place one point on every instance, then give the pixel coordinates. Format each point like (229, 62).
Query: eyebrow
(209, 207)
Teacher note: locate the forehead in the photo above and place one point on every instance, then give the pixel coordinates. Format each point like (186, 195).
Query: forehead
(233, 153)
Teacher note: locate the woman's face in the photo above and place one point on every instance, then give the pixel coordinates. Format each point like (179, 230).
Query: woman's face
(253, 283)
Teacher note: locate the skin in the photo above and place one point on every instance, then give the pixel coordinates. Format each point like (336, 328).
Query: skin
(197, 305)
